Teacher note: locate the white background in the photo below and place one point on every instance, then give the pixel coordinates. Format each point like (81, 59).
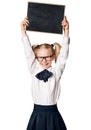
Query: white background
(15, 91)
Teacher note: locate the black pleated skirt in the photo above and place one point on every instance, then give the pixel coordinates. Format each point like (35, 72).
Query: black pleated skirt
(46, 118)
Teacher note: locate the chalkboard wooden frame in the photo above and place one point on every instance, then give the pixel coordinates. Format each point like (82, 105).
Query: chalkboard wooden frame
(45, 17)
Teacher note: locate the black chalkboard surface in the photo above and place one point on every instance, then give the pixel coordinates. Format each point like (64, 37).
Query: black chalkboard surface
(45, 17)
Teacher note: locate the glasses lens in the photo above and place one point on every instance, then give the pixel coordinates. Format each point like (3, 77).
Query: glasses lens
(40, 58)
(46, 58)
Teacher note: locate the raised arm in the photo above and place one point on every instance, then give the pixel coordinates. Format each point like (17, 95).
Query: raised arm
(27, 45)
(61, 60)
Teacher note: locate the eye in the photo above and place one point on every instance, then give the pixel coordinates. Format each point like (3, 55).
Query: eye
(48, 57)
(39, 58)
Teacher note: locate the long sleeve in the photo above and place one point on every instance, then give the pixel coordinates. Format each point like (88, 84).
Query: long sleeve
(30, 57)
(61, 61)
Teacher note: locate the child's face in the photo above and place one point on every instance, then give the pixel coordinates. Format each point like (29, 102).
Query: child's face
(45, 57)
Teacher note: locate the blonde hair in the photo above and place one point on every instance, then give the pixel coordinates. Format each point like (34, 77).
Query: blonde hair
(55, 48)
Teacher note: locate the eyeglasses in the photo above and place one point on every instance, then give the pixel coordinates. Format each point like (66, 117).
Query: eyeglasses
(48, 58)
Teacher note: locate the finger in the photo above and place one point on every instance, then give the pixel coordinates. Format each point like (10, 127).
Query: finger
(27, 21)
(65, 22)
(24, 23)
(64, 19)
(26, 18)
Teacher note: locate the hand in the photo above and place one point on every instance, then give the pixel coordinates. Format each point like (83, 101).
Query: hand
(65, 25)
(24, 23)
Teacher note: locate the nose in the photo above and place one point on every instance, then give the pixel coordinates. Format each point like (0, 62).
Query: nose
(44, 59)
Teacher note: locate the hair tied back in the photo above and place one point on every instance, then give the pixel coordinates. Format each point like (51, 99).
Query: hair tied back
(53, 46)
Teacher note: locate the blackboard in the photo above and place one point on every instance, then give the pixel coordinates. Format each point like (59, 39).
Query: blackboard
(45, 17)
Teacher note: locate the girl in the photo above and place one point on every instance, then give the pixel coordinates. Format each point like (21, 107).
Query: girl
(46, 79)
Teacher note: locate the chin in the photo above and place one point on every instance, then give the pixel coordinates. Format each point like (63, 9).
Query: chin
(45, 67)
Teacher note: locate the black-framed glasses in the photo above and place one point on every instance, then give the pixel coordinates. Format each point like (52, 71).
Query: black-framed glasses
(48, 58)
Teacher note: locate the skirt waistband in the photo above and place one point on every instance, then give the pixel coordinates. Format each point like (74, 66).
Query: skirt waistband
(43, 108)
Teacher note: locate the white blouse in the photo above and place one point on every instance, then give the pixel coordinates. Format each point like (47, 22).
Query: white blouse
(46, 93)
